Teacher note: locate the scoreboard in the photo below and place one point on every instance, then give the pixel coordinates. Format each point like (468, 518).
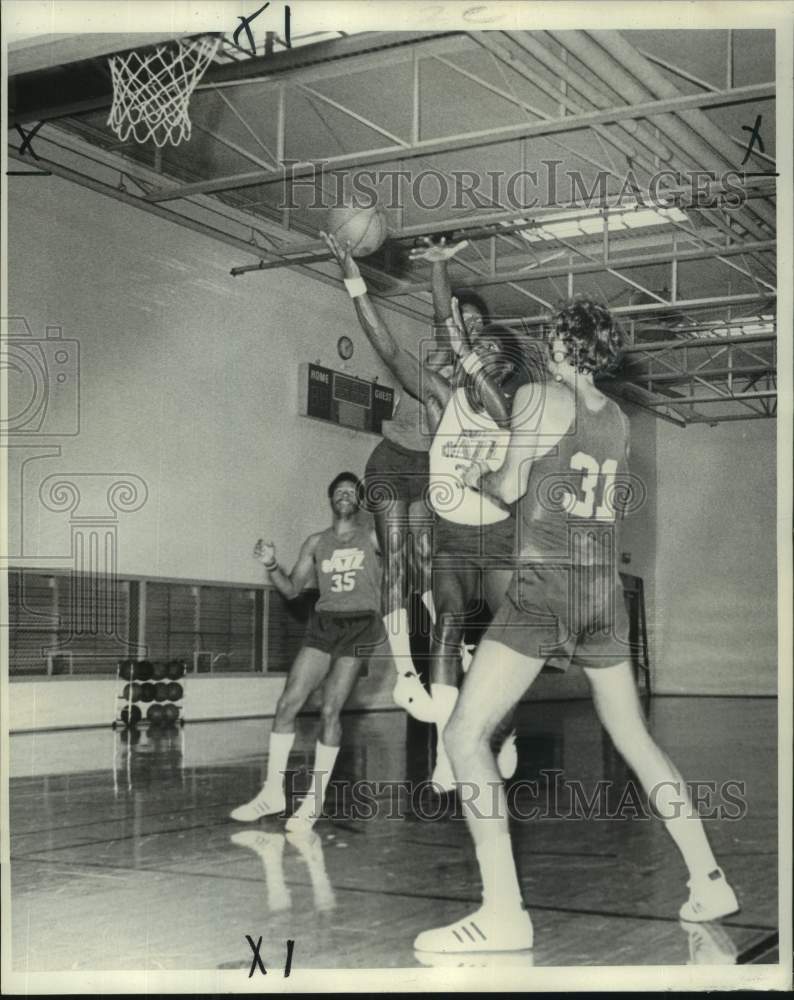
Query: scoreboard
(343, 399)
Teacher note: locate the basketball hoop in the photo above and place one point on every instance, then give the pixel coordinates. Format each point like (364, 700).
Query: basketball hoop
(152, 88)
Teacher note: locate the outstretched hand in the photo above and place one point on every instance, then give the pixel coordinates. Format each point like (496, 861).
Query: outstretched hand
(341, 255)
(436, 252)
(265, 552)
(473, 474)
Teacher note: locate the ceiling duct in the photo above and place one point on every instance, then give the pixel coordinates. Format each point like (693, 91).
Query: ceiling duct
(616, 76)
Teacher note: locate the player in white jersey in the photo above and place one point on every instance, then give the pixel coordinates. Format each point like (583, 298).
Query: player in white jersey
(473, 538)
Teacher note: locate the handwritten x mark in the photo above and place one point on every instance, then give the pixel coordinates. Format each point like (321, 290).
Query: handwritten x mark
(256, 961)
(755, 136)
(26, 138)
(245, 26)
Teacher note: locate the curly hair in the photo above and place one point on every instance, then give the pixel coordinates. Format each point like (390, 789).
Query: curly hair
(592, 337)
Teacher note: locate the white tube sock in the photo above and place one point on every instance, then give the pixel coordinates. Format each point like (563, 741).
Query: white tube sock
(690, 839)
(396, 623)
(279, 747)
(312, 806)
(500, 887)
(671, 800)
(430, 604)
(311, 850)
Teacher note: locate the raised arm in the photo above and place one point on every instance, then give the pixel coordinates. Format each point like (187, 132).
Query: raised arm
(421, 382)
(289, 585)
(438, 255)
(445, 307)
(531, 438)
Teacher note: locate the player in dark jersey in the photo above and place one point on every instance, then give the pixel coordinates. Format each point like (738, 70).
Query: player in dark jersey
(395, 483)
(344, 563)
(567, 469)
(474, 387)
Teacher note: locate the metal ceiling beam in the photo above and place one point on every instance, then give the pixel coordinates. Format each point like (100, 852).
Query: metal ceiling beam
(306, 63)
(513, 57)
(503, 223)
(689, 343)
(703, 374)
(469, 140)
(703, 129)
(589, 267)
(684, 305)
(591, 49)
(626, 391)
(187, 223)
(725, 418)
(700, 400)
(595, 96)
(691, 365)
(85, 86)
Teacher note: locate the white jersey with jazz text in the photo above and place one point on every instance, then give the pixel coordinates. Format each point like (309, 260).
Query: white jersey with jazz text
(465, 436)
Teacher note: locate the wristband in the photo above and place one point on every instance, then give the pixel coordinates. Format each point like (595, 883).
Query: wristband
(356, 287)
(271, 566)
(472, 363)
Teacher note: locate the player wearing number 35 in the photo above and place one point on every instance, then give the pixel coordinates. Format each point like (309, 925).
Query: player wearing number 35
(343, 562)
(566, 470)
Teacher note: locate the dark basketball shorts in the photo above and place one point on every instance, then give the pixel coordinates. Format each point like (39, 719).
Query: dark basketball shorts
(394, 473)
(345, 634)
(564, 615)
(488, 546)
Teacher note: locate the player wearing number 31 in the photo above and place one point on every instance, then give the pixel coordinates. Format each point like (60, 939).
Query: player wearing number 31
(567, 471)
(344, 564)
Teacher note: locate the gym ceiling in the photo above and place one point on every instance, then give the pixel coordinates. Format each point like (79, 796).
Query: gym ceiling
(694, 287)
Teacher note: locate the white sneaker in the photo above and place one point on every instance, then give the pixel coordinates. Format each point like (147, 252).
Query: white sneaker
(259, 841)
(267, 802)
(270, 848)
(476, 960)
(486, 930)
(310, 847)
(710, 898)
(709, 944)
(411, 694)
(301, 823)
(507, 758)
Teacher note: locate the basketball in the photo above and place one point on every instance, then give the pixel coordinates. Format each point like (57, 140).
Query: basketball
(364, 229)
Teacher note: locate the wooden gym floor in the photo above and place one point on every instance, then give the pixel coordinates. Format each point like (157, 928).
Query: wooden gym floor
(123, 856)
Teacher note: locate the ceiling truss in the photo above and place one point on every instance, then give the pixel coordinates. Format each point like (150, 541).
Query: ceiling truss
(592, 86)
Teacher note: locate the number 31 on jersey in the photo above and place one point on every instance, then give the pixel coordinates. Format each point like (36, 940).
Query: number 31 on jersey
(595, 487)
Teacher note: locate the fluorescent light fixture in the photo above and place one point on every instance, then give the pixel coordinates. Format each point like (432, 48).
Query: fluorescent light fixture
(584, 222)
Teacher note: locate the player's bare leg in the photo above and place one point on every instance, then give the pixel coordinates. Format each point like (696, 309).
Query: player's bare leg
(497, 679)
(455, 586)
(451, 595)
(308, 671)
(496, 582)
(421, 523)
(338, 688)
(618, 706)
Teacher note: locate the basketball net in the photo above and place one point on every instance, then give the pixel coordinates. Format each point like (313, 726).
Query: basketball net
(152, 88)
